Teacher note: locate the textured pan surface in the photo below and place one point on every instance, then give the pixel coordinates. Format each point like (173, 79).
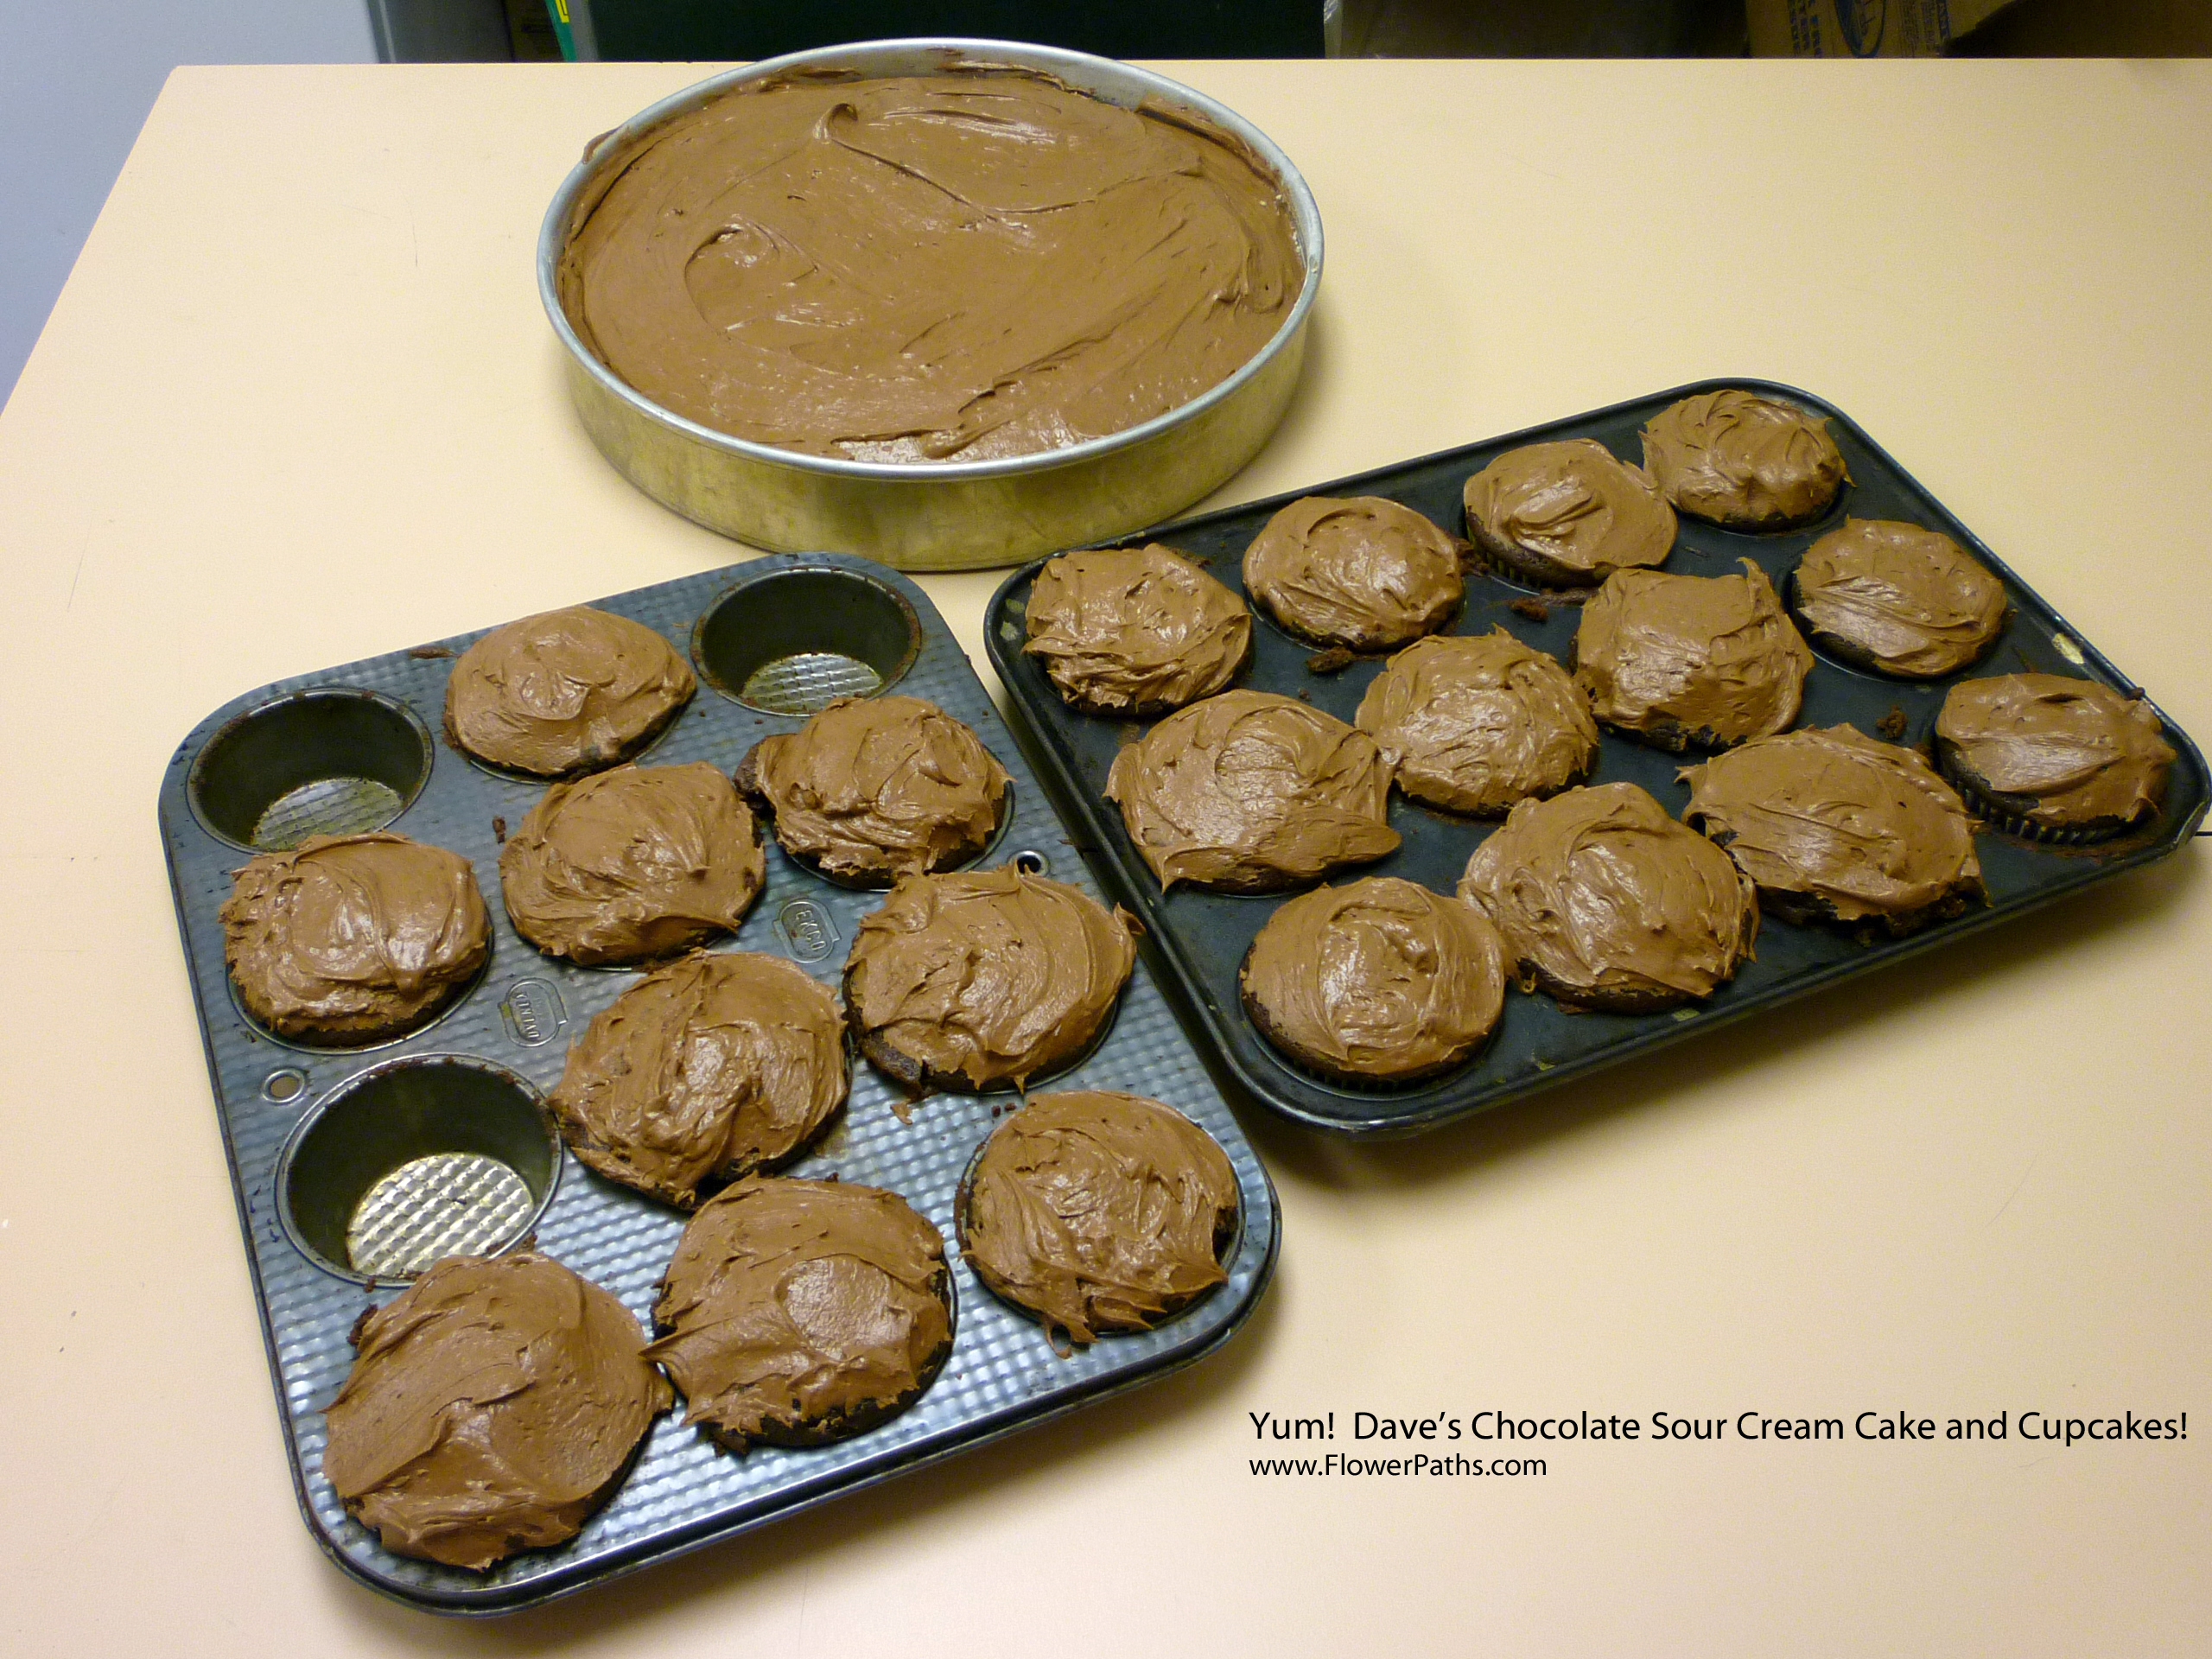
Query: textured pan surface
(1002, 1373)
(1202, 938)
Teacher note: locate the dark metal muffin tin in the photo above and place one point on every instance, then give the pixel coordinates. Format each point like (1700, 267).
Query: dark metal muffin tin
(1201, 937)
(309, 1131)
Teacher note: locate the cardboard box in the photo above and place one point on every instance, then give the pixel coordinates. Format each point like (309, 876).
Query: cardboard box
(1861, 29)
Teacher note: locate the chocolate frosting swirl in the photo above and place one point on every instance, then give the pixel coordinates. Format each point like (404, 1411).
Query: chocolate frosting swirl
(1704, 660)
(631, 864)
(1135, 631)
(950, 267)
(565, 691)
(1899, 598)
(1744, 461)
(797, 1313)
(1364, 572)
(1584, 513)
(1865, 828)
(1253, 792)
(350, 940)
(492, 1406)
(706, 1070)
(1099, 1211)
(2066, 752)
(1380, 981)
(1606, 902)
(1474, 722)
(987, 978)
(876, 787)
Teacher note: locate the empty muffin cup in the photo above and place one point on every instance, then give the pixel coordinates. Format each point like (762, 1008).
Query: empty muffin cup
(332, 760)
(414, 1160)
(792, 642)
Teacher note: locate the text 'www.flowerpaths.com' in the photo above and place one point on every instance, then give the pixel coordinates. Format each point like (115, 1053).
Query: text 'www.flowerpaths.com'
(1421, 1465)
(1423, 1447)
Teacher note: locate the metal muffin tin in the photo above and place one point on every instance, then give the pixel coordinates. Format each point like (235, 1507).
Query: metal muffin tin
(441, 1138)
(1201, 937)
(949, 515)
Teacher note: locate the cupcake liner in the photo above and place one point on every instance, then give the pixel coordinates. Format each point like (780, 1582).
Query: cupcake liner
(1673, 738)
(1847, 654)
(1353, 1081)
(1495, 556)
(2008, 812)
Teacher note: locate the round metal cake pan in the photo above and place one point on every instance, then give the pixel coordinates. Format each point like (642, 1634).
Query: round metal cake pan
(949, 515)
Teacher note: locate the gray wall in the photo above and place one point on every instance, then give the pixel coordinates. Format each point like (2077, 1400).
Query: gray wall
(77, 77)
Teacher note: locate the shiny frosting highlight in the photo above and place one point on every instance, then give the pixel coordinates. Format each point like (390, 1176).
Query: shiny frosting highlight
(1607, 902)
(950, 267)
(1252, 791)
(1474, 722)
(1866, 829)
(987, 978)
(1581, 512)
(876, 787)
(565, 691)
(633, 864)
(705, 1070)
(1134, 631)
(1378, 981)
(1899, 598)
(1704, 660)
(348, 939)
(1362, 572)
(1742, 460)
(796, 1313)
(492, 1406)
(2068, 752)
(1099, 1212)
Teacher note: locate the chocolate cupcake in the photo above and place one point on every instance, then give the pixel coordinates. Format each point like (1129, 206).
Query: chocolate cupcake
(1690, 662)
(493, 1405)
(707, 1070)
(1606, 902)
(1832, 826)
(1366, 574)
(1135, 632)
(1380, 981)
(1474, 722)
(800, 1313)
(1098, 1212)
(1566, 515)
(2053, 758)
(633, 864)
(1252, 793)
(1897, 599)
(1743, 460)
(344, 940)
(874, 788)
(566, 691)
(984, 979)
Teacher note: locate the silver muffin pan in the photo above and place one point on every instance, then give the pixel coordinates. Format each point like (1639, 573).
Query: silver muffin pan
(353, 1166)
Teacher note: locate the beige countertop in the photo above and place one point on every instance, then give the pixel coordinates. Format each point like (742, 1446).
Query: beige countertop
(298, 405)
